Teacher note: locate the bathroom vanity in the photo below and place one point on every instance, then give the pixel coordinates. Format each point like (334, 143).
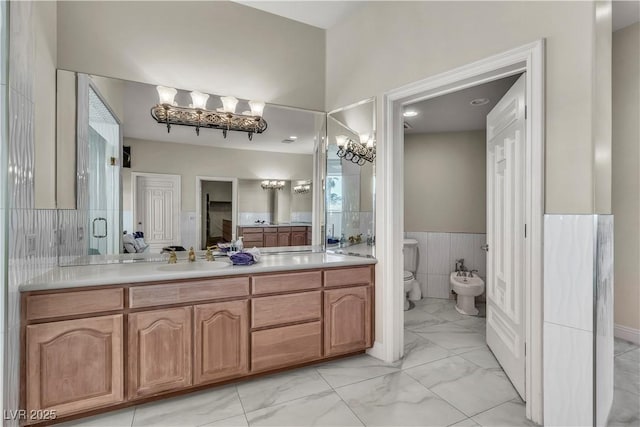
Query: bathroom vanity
(96, 338)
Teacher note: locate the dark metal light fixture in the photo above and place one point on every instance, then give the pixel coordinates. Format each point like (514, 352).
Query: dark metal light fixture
(357, 152)
(198, 116)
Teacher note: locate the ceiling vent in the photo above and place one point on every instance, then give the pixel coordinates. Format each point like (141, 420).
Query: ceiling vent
(287, 141)
(407, 125)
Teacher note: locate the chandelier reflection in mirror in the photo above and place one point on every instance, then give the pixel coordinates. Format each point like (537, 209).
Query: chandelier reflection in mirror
(168, 112)
(272, 184)
(358, 152)
(302, 187)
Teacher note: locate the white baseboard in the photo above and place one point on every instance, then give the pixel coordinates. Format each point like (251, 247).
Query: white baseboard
(627, 333)
(376, 351)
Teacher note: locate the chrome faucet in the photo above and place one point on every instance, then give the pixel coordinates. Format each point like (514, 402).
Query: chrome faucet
(470, 274)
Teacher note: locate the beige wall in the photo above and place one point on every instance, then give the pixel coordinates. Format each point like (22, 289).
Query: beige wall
(215, 46)
(45, 33)
(626, 174)
(112, 91)
(190, 161)
(388, 44)
(252, 198)
(445, 182)
(301, 202)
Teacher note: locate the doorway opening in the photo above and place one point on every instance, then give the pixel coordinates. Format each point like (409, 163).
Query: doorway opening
(463, 210)
(216, 208)
(526, 59)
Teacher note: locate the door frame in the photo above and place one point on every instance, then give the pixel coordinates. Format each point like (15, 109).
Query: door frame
(234, 203)
(134, 196)
(528, 58)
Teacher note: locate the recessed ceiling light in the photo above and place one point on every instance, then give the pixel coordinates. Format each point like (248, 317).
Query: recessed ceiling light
(479, 101)
(293, 137)
(410, 113)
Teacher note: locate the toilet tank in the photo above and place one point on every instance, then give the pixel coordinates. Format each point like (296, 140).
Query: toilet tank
(410, 252)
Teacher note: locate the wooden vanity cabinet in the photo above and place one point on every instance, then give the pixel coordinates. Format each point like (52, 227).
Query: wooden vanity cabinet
(270, 238)
(284, 236)
(299, 236)
(74, 366)
(347, 322)
(159, 356)
(144, 340)
(221, 341)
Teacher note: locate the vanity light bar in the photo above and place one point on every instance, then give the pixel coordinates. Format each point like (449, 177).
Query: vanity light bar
(196, 115)
(357, 152)
(272, 184)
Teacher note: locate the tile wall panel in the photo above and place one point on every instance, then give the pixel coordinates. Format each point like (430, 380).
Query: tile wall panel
(569, 270)
(31, 233)
(568, 362)
(604, 319)
(438, 247)
(437, 253)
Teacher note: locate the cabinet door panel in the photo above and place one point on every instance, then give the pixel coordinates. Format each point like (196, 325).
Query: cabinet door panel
(75, 365)
(284, 239)
(270, 240)
(347, 320)
(221, 340)
(159, 351)
(298, 238)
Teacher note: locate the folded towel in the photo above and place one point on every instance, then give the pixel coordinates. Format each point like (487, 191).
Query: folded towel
(242, 258)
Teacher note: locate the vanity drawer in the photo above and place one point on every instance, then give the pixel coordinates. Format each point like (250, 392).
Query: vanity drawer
(281, 309)
(252, 238)
(245, 230)
(298, 228)
(192, 291)
(289, 345)
(74, 303)
(286, 282)
(347, 276)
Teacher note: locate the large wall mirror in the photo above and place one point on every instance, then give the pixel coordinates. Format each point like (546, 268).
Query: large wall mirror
(133, 184)
(350, 179)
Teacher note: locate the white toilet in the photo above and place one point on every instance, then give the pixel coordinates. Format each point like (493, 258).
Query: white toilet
(411, 285)
(467, 289)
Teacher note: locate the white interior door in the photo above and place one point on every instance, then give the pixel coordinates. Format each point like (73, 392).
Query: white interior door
(157, 211)
(506, 228)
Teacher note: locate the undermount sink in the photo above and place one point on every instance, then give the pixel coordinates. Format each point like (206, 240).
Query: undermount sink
(194, 266)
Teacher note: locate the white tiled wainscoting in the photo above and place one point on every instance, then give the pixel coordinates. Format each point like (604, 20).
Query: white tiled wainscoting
(437, 255)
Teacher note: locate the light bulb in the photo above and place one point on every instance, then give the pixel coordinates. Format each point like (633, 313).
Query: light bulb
(370, 143)
(341, 140)
(166, 95)
(364, 137)
(229, 104)
(257, 108)
(199, 100)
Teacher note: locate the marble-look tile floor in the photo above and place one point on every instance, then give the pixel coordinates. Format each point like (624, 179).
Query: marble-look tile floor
(448, 377)
(626, 392)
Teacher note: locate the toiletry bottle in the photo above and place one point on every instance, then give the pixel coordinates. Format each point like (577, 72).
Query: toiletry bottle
(240, 244)
(343, 241)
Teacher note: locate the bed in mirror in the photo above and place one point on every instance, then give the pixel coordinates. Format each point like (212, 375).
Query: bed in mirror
(142, 168)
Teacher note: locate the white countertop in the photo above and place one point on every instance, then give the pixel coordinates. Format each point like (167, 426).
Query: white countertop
(284, 224)
(110, 274)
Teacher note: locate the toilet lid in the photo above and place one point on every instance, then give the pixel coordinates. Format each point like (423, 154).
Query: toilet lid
(408, 275)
